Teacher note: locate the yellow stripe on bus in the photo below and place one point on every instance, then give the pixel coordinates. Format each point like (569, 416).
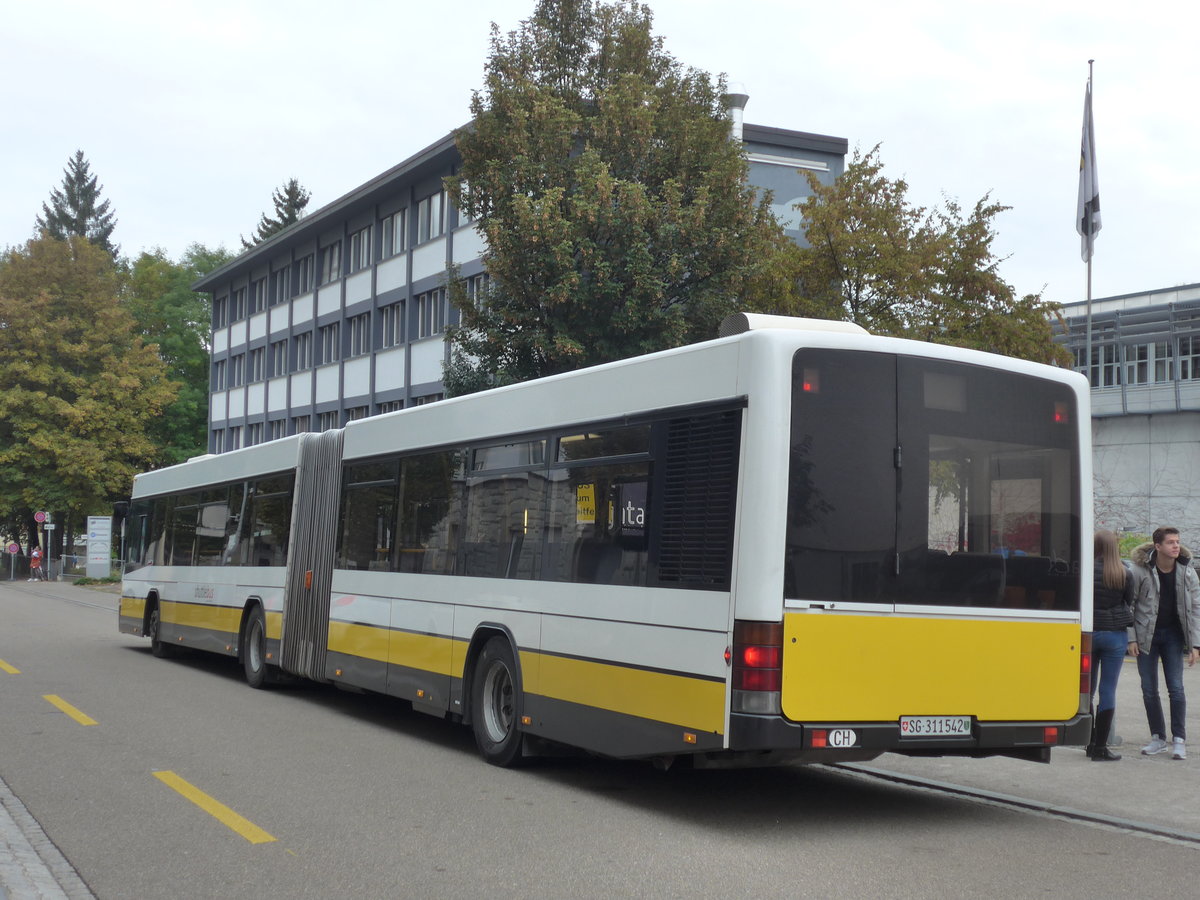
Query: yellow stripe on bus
(64, 706)
(133, 607)
(224, 619)
(878, 668)
(662, 697)
(427, 652)
(215, 808)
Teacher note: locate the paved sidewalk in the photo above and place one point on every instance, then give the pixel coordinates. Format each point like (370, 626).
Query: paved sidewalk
(31, 868)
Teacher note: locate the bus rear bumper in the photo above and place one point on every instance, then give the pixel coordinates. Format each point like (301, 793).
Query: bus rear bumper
(850, 741)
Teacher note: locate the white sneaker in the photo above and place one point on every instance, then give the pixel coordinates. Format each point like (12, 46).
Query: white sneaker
(1156, 745)
(1180, 751)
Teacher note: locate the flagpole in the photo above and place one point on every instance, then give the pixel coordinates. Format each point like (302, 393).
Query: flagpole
(1088, 337)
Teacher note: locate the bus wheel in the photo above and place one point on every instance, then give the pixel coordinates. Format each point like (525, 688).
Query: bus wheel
(254, 649)
(157, 647)
(496, 704)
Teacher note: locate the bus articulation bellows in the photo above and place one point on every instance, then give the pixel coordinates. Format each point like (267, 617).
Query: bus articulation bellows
(796, 541)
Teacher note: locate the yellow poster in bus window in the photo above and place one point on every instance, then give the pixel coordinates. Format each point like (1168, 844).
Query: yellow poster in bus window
(585, 504)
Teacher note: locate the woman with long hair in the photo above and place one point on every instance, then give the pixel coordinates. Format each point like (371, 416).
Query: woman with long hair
(1112, 614)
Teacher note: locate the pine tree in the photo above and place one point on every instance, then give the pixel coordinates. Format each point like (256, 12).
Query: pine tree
(289, 199)
(77, 209)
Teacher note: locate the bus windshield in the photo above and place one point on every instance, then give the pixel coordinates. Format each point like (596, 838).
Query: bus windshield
(922, 482)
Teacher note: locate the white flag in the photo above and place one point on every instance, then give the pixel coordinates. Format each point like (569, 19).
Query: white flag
(1087, 214)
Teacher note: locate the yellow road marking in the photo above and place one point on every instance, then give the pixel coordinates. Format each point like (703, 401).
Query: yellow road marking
(81, 718)
(11, 670)
(215, 808)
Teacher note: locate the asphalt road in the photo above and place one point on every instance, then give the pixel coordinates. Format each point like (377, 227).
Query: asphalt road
(190, 784)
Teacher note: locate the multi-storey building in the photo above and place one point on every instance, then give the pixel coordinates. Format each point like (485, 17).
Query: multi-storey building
(342, 315)
(1145, 375)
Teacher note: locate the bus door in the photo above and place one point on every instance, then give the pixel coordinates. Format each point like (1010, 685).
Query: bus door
(932, 543)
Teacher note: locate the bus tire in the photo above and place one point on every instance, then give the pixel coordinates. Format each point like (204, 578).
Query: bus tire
(254, 650)
(496, 704)
(153, 628)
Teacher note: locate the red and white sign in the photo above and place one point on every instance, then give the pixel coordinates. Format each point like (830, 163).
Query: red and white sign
(40, 517)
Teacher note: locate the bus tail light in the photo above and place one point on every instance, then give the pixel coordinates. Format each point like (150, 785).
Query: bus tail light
(757, 661)
(1085, 672)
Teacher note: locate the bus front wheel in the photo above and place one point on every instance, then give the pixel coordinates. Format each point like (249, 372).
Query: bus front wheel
(254, 650)
(153, 629)
(496, 704)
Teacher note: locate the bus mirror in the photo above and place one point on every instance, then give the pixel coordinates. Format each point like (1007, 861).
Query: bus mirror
(120, 510)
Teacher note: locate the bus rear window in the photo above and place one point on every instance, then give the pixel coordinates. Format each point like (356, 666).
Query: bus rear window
(920, 482)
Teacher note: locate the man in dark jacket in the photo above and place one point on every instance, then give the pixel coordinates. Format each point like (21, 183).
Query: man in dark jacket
(1166, 627)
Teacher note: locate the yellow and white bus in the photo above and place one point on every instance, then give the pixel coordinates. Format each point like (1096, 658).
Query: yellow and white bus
(798, 540)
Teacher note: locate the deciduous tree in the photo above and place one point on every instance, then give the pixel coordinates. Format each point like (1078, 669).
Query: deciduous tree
(77, 209)
(178, 321)
(615, 205)
(78, 387)
(898, 269)
(289, 200)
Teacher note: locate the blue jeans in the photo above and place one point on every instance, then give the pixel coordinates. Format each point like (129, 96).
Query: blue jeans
(1167, 646)
(1108, 655)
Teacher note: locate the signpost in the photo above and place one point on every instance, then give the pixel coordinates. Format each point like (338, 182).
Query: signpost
(99, 544)
(13, 549)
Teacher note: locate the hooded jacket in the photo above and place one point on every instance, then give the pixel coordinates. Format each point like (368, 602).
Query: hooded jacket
(1146, 594)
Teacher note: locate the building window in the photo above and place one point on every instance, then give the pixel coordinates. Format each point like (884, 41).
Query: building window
(218, 436)
(360, 249)
(218, 376)
(356, 412)
(257, 364)
(237, 305)
(395, 233)
(254, 434)
(327, 420)
(390, 406)
(463, 217)
(331, 262)
(279, 285)
(431, 217)
(428, 398)
(237, 370)
(220, 312)
(477, 287)
(301, 424)
(1189, 358)
(1105, 368)
(234, 435)
(1164, 362)
(431, 312)
(330, 348)
(360, 334)
(258, 296)
(278, 358)
(304, 275)
(392, 331)
(302, 344)
(278, 429)
(1137, 364)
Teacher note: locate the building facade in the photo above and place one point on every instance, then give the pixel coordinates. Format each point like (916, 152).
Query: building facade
(1145, 375)
(343, 314)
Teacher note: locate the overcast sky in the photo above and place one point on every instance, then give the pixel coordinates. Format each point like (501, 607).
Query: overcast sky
(191, 112)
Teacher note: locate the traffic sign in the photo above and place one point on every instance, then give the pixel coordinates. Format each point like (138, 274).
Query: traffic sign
(40, 517)
(49, 526)
(14, 548)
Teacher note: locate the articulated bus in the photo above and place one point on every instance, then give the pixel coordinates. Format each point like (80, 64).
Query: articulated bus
(797, 541)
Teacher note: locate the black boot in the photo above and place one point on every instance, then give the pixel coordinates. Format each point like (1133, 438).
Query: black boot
(1099, 751)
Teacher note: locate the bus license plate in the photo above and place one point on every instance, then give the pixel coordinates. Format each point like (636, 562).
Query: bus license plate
(935, 726)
